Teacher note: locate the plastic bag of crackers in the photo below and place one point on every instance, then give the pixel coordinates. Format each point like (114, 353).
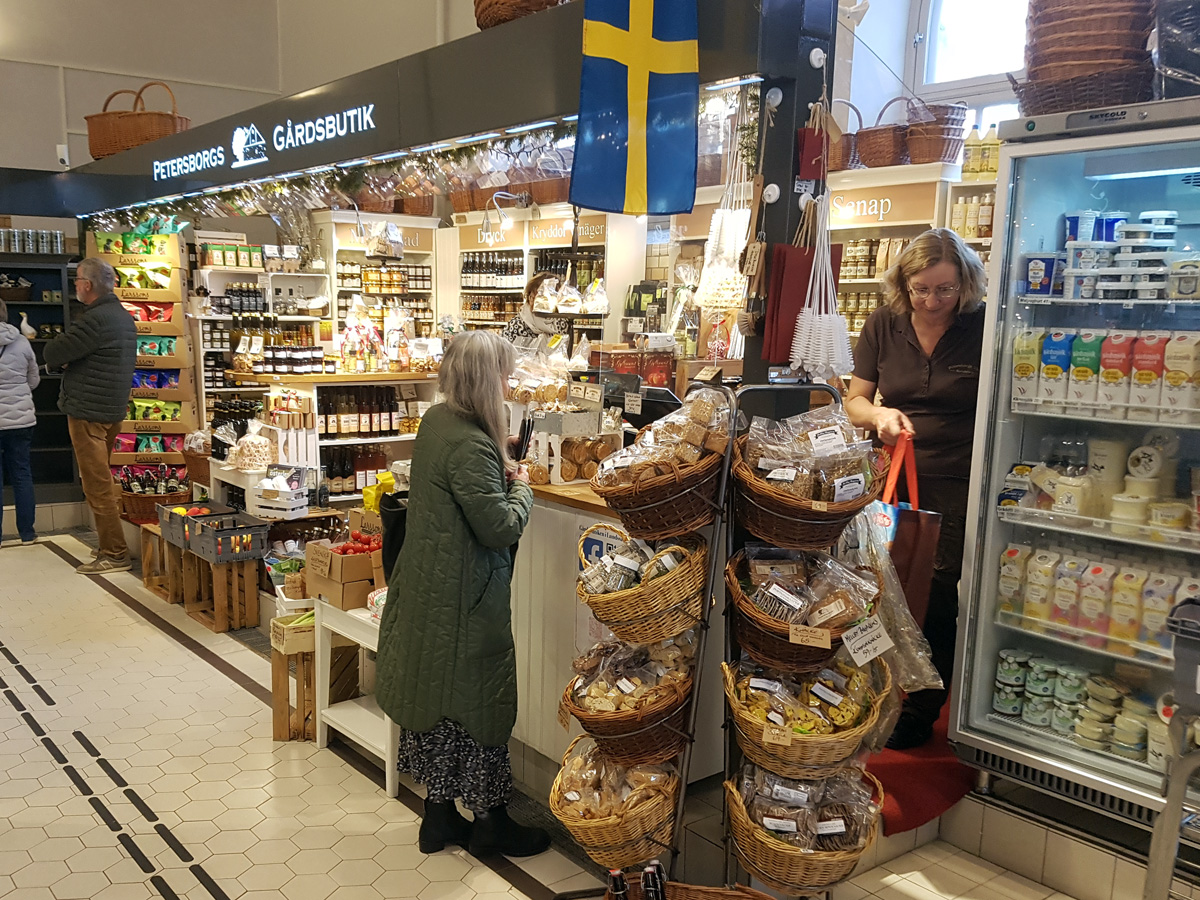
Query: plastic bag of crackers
(682, 438)
(817, 455)
(595, 788)
(619, 677)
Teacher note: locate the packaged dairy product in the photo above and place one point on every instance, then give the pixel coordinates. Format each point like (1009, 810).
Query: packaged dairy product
(1145, 391)
(1185, 279)
(1125, 615)
(1040, 573)
(1084, 382)
(1181, 374)
(1054, 375)
(1095, 596)
(1026, 363)
(1065, 609)
(1080, 225)
(1116, 370)
(1090, 254)
(1075, 494)
(1107, 460)
(1011, 585)
(1042, 271)
(1158, 596)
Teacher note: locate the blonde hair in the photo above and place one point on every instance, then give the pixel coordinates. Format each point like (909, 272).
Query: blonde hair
(472, 378)
(935, 246)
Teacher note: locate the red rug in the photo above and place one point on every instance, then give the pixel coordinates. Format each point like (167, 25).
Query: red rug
(922, 783)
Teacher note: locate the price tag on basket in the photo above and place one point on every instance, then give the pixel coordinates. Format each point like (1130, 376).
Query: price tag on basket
(808, 636)
(708, 373)
(779, 735)
(633, 403)
(867, 640)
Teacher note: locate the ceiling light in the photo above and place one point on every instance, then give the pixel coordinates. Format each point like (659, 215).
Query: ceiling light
(521, 128)
(429, 147)
(1146, 163)
(386, 156)
(353, 163)
(751, 79)
(570, 118)
(478, 138)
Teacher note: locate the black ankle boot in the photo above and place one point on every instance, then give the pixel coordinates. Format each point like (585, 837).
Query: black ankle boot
(495, 832)
(443, 824)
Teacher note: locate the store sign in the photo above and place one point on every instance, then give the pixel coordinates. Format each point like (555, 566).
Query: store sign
(419, 240)
(557, 232)
(474, 237)
(696, 224)
(857, 207)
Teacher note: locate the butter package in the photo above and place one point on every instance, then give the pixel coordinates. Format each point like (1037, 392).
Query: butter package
(1181, 378)
(1055, 371)
(1158, 596)
(1125, 617)
(1145, 391)
(1065, 607)
(1040, 573)
(1026, 363)
(1116, 370)
(1011, 585)
(1018, 488)
(1095, 598)
(1084, 382)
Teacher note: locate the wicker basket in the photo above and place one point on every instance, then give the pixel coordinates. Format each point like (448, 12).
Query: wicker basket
(625, 840)
(143, 508)
(843, 153)
(1116, 87)
(481, 197)
(551, 190)
(922, 113)
(787, 521)
(807, 752)
(112, 132)
(935, 143)
(765, 639)
(370, 202)
(1111, 16)
(657, 610)
(663, 506)
(197, 467)
(679, 891)
(786, 868)
(883, 145)
(646, 736)
(417, 205)
(460, 201)
(489, 13)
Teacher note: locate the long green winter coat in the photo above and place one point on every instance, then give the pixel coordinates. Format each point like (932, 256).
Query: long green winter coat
(445, 642)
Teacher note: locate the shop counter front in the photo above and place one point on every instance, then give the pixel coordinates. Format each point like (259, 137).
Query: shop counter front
(551, 627)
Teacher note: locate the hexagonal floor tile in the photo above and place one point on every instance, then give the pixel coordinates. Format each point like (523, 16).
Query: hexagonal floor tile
(40, 874)
(355, 871)
(226, 865)
(447, 890)
(231, 841)
(359, 846)
(272, 851)
(404, 883)
(79, 886)
(309, 887)
(313, 862)
(93, 859)
(444, 867)
(268, 877)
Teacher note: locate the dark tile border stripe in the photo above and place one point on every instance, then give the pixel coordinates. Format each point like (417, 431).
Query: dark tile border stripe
(174, 843)
(164, 889)
(135, 853)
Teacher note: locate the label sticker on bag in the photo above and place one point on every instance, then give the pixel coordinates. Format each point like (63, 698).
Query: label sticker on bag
(767, 463)
(626, 686)
(849, 488)
(787, 474)
(779, 735)
(571, 796)
(832, 826)
(827, 441)
(625, 562)
(827, 612)
(764, 684)
(830, 696)
(867, 640)
(786, 596)
(789, 795)
(784, 826)
(807, 636)
(775, 717)
(564, 716)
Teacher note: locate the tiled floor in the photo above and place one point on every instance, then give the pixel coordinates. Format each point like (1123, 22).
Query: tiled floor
(130, 768)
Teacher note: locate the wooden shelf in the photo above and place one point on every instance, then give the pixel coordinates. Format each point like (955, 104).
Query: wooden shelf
(364, 378)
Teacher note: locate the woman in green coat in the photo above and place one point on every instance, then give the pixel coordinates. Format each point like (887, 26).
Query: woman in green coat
(446, 671)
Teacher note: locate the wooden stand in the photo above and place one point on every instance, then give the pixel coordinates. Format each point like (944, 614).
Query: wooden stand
(221, 597)
(154, 561)
(300, 723)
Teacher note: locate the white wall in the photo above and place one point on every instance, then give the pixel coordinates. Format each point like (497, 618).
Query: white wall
(884, 29)
(59, 59)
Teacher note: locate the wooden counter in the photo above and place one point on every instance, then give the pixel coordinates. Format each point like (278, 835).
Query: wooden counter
(577, 496)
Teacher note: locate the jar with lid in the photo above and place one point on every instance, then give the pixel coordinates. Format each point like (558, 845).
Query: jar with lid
(1070, 686)
(1037, 710)
(1042, 676)
(1064, 716)
(1012, 666)
(1008, 699)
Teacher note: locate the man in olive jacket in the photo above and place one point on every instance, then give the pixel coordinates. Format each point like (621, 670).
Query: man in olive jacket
(97, 354)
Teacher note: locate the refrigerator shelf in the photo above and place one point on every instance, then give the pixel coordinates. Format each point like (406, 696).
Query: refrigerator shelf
(1108, 420)
(1046, 300)
(1085, 526)
(1063, 634)
(1019, 723)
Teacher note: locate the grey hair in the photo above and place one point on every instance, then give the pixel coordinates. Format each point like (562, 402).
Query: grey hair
(99, 273)
(472, 378)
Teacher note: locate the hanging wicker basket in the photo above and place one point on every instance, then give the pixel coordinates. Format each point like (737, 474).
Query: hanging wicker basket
(551, 190)
(883, 145)
(654, 610)
(646, 736)
(118, 130)
(786, 868)
(922, 113)
(843, 153)
(662, 506)
(489, 13)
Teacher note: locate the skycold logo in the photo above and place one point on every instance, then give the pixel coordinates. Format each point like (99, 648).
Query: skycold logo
(248, 146)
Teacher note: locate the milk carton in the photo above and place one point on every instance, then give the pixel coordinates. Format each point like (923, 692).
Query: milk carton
(1055, 371)
(1116, 370)
(1065, 608)
(1084, 382)
(1026, 362)
(1125, 616)
(1181, 378)
(1095, 597)
(1011, 586)
(1040, 573)
(1145, 392)
(1158, 596)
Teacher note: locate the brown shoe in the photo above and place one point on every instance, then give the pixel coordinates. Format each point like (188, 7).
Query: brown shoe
(104, 565)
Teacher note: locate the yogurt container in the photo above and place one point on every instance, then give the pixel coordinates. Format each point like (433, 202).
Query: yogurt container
(1169, 514)
(1143, 246)
(1134, 231)
(1113, 290)
(1105, 228)
(1079, 284)
(1184, 279)
(1037, 711)
(1041, 678)
(1158, 745)
(1080, 224)
(1148, 486)
(1062, 718)
(1008, 699)
(1044, 273)
(1160, 216)
(1012, 667)
(1140, 260)
(1071, 686)
(1090, 254)
(1151, 293)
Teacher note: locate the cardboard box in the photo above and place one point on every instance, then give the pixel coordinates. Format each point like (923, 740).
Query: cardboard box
(161, 328)
(186, 423)
(365, 521)
(342, 594)
(320, 561)
(377, 570)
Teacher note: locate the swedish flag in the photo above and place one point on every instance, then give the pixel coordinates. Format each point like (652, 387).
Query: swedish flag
(638, 100)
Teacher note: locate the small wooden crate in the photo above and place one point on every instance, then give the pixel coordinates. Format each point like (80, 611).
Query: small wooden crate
(220, 597)
(296, 645)
(154, 561)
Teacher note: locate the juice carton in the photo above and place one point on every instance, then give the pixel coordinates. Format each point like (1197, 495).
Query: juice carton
(1181, 378)
(1011, 586)
(1026, 362)
(1116, 369)
(1158, 596)
(1189, 589)
(1040, 574)
(1125, 616)
(1055, 371)
(1084, 382)
(1065, 609)
(1145, 392)
(1095, 597)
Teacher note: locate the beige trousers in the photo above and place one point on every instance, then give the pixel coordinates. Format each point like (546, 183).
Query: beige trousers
(93, 443)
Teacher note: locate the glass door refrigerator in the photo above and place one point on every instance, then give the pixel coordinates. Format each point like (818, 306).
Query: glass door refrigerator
(1083, 529)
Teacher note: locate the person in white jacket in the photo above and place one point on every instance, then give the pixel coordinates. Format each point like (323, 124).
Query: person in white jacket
(18, 378)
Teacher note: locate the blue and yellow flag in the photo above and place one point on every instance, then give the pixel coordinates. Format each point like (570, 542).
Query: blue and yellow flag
(639, 95)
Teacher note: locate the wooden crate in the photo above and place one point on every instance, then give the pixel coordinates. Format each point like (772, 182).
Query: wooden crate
(299, 723)
(220, 597)
(154, 561)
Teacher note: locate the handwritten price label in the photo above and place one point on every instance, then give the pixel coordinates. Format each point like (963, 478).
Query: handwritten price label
(708, 373)
(867, 640)
(633, 403)
(779, 735)
(808, 636)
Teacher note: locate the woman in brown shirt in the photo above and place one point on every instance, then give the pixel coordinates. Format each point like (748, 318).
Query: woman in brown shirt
(921, 352)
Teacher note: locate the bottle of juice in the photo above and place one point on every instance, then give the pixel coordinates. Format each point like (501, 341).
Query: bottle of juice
(971, 155)
(989, 156)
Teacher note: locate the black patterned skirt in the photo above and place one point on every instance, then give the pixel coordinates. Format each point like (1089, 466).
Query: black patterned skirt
(452, 765)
